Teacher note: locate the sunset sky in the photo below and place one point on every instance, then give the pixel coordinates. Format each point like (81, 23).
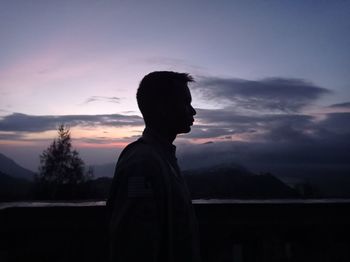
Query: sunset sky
(272, 77)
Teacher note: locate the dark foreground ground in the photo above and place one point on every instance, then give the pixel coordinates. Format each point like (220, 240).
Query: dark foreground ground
(230, 231)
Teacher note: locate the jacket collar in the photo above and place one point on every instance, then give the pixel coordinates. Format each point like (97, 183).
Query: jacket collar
(153, 137)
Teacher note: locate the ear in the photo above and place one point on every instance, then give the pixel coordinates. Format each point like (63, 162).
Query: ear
(162, 109)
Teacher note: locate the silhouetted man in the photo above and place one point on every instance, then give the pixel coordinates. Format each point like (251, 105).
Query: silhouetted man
(152, 218)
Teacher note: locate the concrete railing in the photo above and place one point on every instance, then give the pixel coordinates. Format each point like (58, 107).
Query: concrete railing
(231, 230)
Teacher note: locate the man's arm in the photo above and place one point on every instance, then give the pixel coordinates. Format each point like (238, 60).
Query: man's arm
(137, 219)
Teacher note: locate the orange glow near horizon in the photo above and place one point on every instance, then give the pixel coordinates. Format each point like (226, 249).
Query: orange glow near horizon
(107, 145)
(101, 137)
(17, 143)
(104, 132)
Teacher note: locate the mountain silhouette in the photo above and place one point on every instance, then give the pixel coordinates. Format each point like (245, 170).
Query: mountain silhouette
(11, 168)
(235, 181)
(12, 188)
(228, 180)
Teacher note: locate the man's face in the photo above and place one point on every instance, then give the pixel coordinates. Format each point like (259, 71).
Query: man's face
(180, 111)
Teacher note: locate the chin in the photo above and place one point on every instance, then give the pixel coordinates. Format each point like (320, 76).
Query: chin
(184, 130)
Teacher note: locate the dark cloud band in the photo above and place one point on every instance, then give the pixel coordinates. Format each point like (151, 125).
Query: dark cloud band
(345, 105)
(282, 94)
(30, 123)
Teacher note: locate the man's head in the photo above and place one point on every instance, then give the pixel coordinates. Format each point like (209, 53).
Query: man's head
(165, 101)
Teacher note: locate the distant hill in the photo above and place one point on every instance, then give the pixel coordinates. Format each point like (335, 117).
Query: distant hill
(12, 188)
(221, 181)
(234, 181)
(11, 168)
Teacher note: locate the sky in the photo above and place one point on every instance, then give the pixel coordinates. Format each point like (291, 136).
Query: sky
(272, 78)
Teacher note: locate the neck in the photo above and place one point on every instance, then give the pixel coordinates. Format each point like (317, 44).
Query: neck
(164, 134)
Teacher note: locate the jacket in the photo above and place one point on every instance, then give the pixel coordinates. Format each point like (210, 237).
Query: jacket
(151, 213)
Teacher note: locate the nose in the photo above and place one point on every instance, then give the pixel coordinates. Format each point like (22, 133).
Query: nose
(193, 111)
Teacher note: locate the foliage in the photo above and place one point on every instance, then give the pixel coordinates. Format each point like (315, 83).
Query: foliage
(61, 169)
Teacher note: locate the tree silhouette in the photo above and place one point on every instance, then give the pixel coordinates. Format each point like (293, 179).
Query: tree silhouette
(61, 169)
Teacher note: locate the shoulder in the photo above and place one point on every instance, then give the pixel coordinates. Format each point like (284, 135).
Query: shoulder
(138, 149)
(139, 154)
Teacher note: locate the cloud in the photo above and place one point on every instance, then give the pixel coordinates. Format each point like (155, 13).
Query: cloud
(209, 132)
(345, 105)
(112, 99)
(289, 157)
(11, 136)
(225, 122)
(271, 94)
(32, 123)
(296, 145)
(101, 140)
(221, 122)
(336, 123)
(4, 112)
(228, 116)
(290, 145)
